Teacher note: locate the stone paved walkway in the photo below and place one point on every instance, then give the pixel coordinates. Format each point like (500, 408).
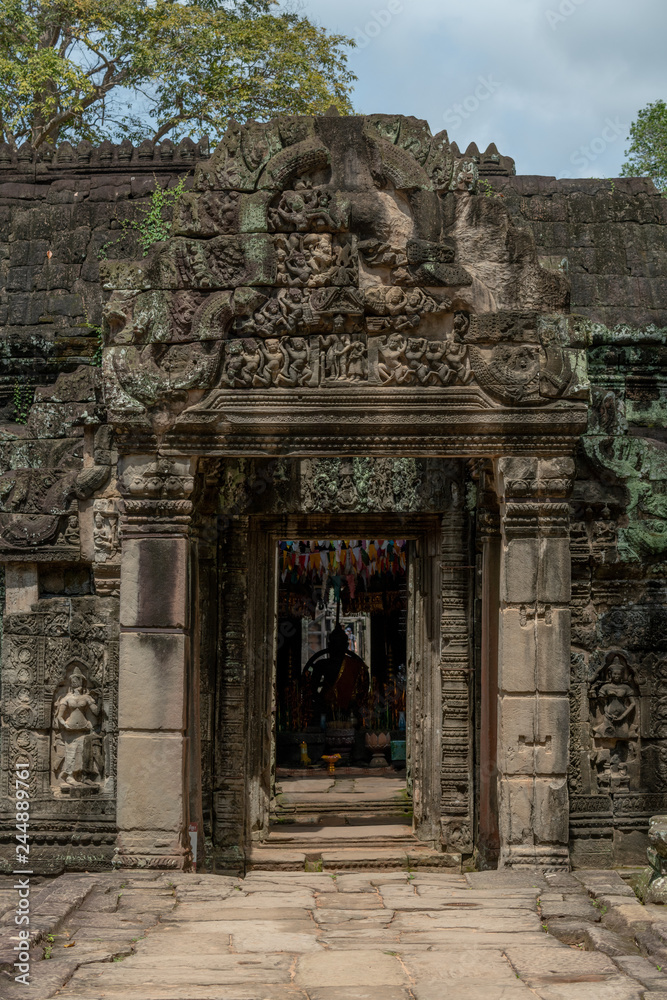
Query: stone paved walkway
(319, 936)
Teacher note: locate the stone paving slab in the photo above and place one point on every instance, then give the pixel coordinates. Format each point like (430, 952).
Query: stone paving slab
(507, 880)
(360, 968)
(359, 993)
(311, 936)
(640, 968)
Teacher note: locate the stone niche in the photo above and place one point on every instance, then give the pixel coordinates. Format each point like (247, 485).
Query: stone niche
(60, 676)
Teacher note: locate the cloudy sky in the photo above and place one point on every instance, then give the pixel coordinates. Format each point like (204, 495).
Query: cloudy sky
(554, 83)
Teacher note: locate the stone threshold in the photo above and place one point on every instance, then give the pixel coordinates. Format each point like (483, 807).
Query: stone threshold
(352, 859)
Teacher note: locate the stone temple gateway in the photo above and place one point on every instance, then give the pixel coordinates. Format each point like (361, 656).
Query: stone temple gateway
(352, 331)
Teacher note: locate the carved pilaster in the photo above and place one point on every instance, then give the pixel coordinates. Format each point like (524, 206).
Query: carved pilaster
(229, 791)
(533, 661)
(155, 605)
(489, 541)
(456, 825)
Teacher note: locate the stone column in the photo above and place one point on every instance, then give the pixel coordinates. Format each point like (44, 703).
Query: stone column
(488, 533)
(456, 775)
(154, 660)
(533, 661)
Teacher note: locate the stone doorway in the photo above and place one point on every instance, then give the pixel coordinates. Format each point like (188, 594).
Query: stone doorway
(341, 695)
(430, 595)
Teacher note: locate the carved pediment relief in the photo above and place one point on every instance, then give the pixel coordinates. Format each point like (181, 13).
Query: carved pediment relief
(317, 252)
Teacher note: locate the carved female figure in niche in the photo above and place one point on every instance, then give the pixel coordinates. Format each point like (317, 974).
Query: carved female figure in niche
(105, 536)
(617, 703)
(75, 715)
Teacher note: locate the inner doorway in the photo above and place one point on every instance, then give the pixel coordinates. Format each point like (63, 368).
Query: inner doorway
(340, 700)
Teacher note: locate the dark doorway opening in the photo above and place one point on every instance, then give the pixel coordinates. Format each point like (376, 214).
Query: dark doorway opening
(341, 655)
(340, 728)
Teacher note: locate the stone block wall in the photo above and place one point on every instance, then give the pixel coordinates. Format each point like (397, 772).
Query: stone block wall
(63, 212)
(610, 237)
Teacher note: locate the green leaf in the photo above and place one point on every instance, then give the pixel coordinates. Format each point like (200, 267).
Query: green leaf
(648, 147)
(78, 69)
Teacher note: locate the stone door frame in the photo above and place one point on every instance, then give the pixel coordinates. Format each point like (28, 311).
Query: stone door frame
(531, 634)
(423, 664)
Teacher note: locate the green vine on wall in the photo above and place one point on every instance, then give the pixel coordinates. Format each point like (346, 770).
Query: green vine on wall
(23, 396)
(488, 189)
(96, 359)
(152, 226)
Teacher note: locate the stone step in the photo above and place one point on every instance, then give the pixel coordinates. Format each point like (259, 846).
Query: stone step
(310, 836)
(413, 857)
(285, 807)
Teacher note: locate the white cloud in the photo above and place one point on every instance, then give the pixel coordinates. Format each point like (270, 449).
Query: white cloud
(560, 78)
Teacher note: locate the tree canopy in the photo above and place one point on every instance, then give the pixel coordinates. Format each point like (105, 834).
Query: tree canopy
(106, 69)
(648, 146)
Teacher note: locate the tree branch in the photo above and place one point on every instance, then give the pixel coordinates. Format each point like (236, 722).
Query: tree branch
(51, 128)
(167, 127)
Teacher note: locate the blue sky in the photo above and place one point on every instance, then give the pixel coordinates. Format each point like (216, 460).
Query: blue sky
(554, 83)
